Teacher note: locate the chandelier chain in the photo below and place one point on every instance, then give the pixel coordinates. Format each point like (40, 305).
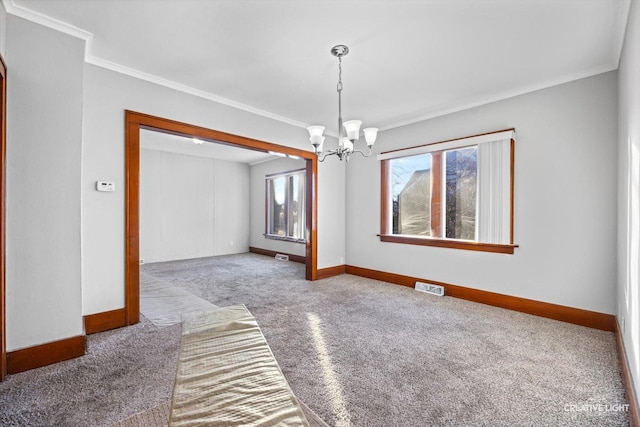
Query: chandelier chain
(348, 132)
(339, 74)
(340, 133)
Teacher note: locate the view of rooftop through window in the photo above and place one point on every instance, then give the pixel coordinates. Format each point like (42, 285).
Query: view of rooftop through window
(434, 194)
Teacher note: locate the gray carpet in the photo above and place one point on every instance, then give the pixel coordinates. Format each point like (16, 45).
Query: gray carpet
(356, 351)
(125, 371)
(158, 416)
(164, 304)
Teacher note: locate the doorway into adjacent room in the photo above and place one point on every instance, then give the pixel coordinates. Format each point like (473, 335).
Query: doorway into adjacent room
(137, 122)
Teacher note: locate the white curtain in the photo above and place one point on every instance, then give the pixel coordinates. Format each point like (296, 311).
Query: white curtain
(494, 192)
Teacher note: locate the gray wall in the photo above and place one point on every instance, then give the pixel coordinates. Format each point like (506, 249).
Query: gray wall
(565, 199)
(44, 143)
(332, 190)
(192, 207)
(629, 194)
(106, 95)
(65, 240)
(258, 173)
(3, 29)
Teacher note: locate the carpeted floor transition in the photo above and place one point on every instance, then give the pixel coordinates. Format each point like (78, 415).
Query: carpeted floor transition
(356, 351)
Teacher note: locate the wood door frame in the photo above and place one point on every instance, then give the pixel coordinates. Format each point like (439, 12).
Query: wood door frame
(3, 155)
(133, 123)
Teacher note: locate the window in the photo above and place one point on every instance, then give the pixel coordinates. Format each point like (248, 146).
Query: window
(285, 219)
(454, 194)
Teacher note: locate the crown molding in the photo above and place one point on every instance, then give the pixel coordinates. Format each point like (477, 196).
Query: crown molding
(63, 27)
(621, 31)
(112, 66)
(46, 21)
(483, 100)
(439, 111)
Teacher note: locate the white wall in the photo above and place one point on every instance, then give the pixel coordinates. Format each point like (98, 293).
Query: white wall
(258, 173)
(192, 207)
(332, 190)
(106, 95)
(565, 199)
(3, 29)
(629, 194)
(44, 141)
(231, 208)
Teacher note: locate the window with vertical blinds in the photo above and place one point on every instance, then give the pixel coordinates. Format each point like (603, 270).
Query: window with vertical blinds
(456, 193)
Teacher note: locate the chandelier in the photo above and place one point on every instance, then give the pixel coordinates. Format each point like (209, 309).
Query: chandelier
(351, 127)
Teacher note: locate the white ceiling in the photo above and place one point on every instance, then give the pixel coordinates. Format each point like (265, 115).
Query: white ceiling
(154, 140)
(409, 59)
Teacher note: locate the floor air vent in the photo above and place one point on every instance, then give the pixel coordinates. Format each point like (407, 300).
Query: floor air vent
(430, 289)
(281, 257)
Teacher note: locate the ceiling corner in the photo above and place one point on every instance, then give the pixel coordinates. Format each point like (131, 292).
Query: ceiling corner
(621, 31)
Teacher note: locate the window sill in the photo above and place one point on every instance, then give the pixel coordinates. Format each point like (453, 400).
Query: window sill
(284, 238)
(449, 243)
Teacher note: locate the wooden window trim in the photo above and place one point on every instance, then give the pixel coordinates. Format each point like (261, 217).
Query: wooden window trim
(386, 235)
(284, 238)
(450, 140)
(436, 219)
(268, 179)
(285, 173)
(449, 243)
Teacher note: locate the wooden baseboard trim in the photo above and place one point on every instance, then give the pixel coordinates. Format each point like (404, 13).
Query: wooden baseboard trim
(627, 380)
(105, 321)
(591, 319)
(45, 354)
(267, 252)
(324, 273)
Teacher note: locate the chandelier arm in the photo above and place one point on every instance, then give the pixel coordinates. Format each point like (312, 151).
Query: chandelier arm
(323, 156)
(362, 152)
